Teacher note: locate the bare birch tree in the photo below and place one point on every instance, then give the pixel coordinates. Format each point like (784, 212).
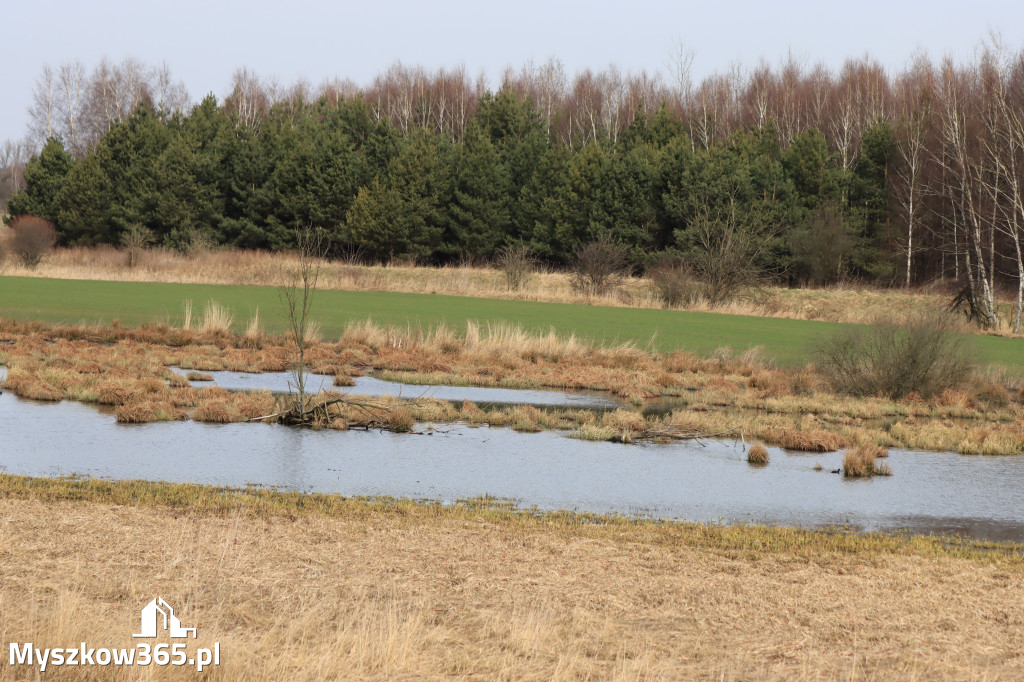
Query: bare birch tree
(43, 112)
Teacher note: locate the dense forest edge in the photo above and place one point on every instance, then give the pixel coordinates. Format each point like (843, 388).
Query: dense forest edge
(786, 174)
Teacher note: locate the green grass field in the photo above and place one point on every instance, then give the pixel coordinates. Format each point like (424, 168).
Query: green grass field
(786, 341)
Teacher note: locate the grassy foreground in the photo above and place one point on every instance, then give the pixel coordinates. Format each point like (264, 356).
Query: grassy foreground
(310, 587)
(785, 341)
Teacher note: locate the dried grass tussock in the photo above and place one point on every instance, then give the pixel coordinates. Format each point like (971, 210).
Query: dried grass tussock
(233, 266)
(415, 592)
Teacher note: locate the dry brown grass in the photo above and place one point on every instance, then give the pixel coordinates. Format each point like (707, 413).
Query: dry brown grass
(788, 408)
(415, 592)
(757, 454)
(400, 419)
(148, 411)
(859, 462)
(841, 303)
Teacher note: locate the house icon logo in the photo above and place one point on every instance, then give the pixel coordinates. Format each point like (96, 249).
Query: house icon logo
(151, 620)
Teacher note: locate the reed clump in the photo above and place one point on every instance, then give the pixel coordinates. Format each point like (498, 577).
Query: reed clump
(400, 419)
(146, 411)
(757, 454)
(593, 432)
(27, 385)
(859, 462)
(216, 412)
(175, 380)
(217, 319)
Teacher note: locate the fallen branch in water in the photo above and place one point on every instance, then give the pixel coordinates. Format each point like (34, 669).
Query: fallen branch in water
(319, 414)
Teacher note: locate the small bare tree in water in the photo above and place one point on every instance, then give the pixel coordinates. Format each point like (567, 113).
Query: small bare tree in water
(297, 296)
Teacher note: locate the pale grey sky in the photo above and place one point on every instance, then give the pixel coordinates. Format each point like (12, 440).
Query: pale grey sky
(205, 41)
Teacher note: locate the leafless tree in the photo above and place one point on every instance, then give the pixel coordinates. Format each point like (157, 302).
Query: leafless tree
(248, 100)
(297, 295)
(13, 155)
(914, 101)
(964, 164)
(169, 95)
(114, 92)
(43, 112)
(71, 84)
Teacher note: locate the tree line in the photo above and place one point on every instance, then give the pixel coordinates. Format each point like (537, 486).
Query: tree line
(893, 178)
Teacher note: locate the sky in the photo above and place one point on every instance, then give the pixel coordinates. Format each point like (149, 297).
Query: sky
(204, 42)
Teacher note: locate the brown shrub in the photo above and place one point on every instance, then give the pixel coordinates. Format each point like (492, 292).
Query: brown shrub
(893, 358)
(517, 262)
(598, 266)
(757, 454)
(672, 280)
(31, 239)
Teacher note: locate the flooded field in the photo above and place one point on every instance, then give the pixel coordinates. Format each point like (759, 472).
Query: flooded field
(929, 493)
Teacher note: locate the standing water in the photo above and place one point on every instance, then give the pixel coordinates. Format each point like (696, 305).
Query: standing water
(929, 493)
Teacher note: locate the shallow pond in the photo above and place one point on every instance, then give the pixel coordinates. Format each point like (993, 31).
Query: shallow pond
(281, 382)
(930, 492)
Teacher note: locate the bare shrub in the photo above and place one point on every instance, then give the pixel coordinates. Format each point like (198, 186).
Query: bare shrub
(297, 296)
(893, 359)
(135, 240)
(517, 262)
(31, 239)
(672, 280)
(190, 241)
(598, 266)
(727, 250)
